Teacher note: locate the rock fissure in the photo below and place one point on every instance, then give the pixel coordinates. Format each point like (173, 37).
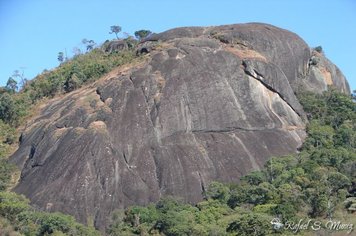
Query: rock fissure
(202, 185)
(33, 165)
(32, 152)
(125, 158)
(232, 129)
(158, 180)
(131, 79)
(258, 76)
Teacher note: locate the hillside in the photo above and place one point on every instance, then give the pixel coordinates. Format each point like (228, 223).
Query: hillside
(172, 114)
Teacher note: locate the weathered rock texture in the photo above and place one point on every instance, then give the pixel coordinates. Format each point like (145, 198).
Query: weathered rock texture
(208, 104)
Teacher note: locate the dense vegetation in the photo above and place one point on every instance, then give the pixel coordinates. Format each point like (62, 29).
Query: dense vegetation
(18, 216)
(319, 182)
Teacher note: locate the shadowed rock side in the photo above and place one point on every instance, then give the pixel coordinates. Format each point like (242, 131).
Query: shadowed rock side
(211, 104)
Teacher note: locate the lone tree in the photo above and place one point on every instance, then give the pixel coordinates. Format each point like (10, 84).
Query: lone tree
(60, 57)
(141, 34)
(11, 85)
(115, 29)
(89, 43)
(20, 76)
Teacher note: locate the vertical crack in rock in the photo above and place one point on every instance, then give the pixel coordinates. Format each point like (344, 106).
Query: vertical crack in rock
(202, 184)
(32, 151)
(154, 118)
(131, 79)
(125, 158)
(99, 92)
(154, 113)
(156, 164)
(144, 95)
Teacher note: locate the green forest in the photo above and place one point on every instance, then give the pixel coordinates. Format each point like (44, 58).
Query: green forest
(318, 182)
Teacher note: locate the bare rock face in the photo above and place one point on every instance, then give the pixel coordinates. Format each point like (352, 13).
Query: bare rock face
(323, 73)
(208, 104)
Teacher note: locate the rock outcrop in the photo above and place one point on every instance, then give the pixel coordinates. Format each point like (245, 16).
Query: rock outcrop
(209, 104)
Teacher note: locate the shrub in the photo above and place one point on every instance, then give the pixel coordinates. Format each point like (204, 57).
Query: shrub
(12, 205)
(318, 49)
(251, 224)
(218, 191)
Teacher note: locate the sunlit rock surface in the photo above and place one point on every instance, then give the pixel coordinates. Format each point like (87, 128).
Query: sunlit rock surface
(208, 104)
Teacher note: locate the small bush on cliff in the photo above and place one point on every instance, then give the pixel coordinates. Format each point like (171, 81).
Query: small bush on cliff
(142, 34)
(319, 49)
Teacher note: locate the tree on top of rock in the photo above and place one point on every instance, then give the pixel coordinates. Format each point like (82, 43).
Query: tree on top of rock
(141, 34)
(115, 29)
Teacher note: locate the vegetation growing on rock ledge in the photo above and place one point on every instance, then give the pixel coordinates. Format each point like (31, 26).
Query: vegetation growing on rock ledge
(69, 76)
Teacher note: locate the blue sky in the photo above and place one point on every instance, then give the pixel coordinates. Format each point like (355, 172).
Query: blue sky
(33, 32)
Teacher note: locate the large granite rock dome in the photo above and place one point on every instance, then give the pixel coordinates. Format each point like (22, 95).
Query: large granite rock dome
(209, 103)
